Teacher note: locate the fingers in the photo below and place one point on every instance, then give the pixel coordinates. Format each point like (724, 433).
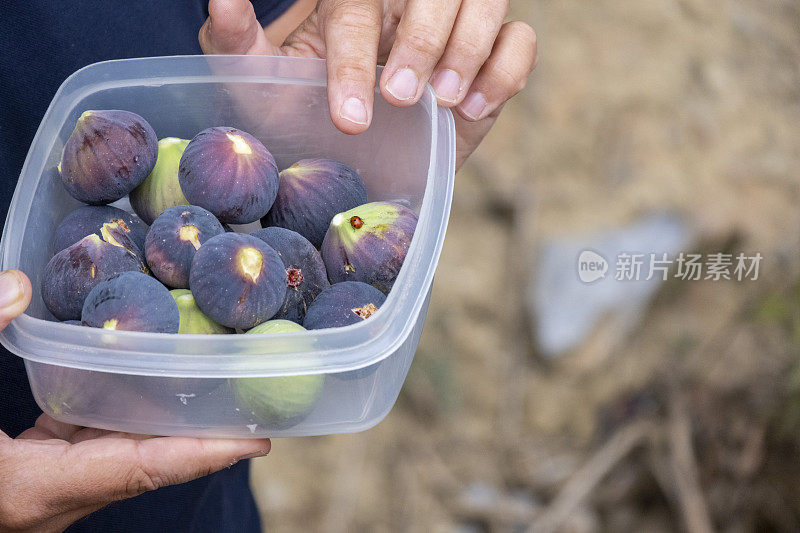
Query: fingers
(93, 433)
(46, 484)
(504, 74)
(47, 428)
(232, 28)
(422, 36)
(470, 133)
(350, 30)
(118, 468)
(469, 46)
(15, 295)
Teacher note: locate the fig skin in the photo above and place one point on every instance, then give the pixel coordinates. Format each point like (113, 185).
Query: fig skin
(90, 218)
(369, 244)
(238, 280)
(72, 273)
(174, 238)
(161, 189)
(230, 173)
(131, 301)
(279, 401)
(343, 304)
(310, 193)
(61, 390)
(107, 155)
(192, 319)
(305, 272)
(117, 233)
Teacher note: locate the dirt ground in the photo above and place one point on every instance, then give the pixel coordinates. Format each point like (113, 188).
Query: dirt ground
(691, 422)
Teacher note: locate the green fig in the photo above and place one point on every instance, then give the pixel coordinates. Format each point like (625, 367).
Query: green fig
(280, 400)
(161, 189)
(192, 318)
(369, 244)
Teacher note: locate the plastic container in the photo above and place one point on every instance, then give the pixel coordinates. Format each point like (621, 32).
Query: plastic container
(164, 384)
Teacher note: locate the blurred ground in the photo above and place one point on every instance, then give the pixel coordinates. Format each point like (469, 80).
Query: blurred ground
(692, 421)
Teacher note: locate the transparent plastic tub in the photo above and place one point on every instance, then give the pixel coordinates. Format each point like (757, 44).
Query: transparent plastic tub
(164, 384)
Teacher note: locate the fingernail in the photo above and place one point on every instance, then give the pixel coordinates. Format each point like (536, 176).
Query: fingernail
(447, 84)
(403, 84)
(474, 105)
(10, 288)
(354, 110)
(259, 453)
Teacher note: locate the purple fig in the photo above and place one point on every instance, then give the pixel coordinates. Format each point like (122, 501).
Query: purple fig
(131, 301)
(107, 155)
(305, 271)
(343, 304)
(230, 173)
(237, 280)
(90, 218)
(369, 244)
(72, 273)
(310, 193)
(174, 238)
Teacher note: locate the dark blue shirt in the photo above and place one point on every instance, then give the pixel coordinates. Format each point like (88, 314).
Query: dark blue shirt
(41, 43)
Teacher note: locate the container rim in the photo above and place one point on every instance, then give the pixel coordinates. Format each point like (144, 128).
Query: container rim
(346, 348)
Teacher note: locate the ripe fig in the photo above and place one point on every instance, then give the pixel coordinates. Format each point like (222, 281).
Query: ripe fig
(342, 304)
(161, 189)
(310, 193)
(117, 233)
(230, 173)
(174, 238)
(369, 244)
(192, 318)
(282, 400)
(90, 218)
(72, 392)
(131, 301)
(107, 155)
(305, 271)
(238, 280)
(73, 272)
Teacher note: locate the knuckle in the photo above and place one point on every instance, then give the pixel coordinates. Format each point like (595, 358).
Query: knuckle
(138, 481)
(353, 72)
(349, 13)
(510, 83)
(522, 29)
(524, 36)
(424, 41)
(469, 51)
(494, 10)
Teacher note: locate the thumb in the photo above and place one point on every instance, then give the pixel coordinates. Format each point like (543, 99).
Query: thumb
(232, 28)
(15, 295)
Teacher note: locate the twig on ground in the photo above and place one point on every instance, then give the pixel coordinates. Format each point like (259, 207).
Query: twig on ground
(587, 477)
(684, 466)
